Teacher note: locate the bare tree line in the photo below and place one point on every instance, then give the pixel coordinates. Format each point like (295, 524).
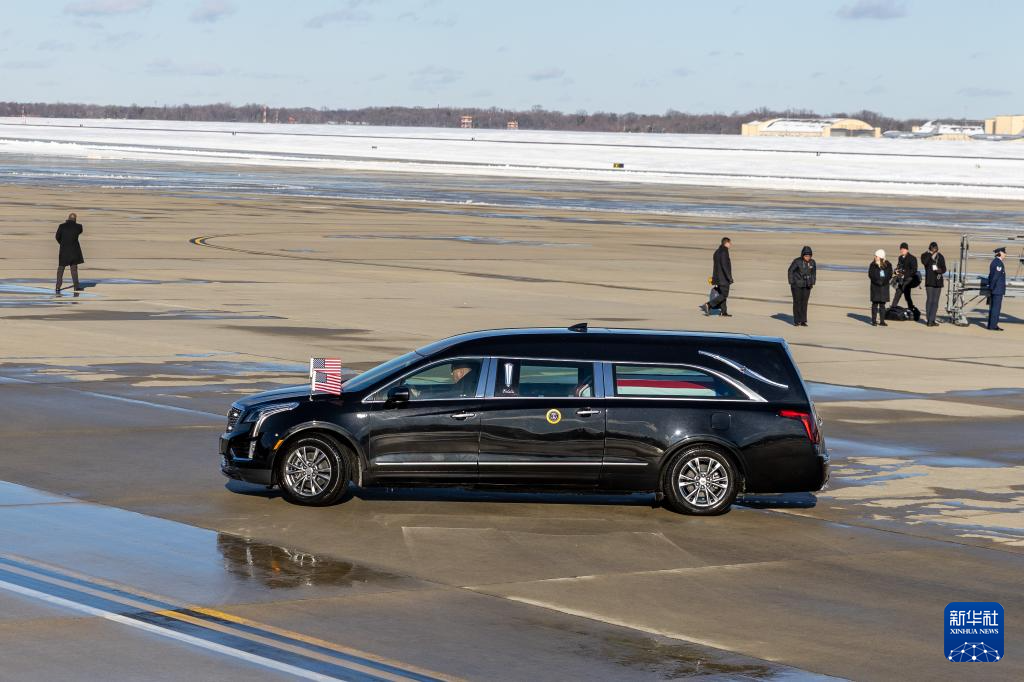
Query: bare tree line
(537, 118)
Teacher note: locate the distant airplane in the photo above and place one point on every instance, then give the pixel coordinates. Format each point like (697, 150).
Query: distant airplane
(934, 128)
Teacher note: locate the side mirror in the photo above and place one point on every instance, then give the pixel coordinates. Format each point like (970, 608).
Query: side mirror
(398, 395)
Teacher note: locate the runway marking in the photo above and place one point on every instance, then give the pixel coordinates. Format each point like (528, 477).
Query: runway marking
(276, 648)
(108, 396)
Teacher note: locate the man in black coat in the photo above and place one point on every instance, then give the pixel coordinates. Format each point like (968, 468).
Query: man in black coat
(721, 279)
(906, 277)
(803, 274)
(934, 273)
(70, 253)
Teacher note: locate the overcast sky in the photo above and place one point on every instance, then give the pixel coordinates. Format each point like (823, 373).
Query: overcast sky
(918, 58)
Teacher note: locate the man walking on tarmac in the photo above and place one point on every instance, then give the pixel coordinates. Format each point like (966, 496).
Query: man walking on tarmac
(996, 287)
(721, 279)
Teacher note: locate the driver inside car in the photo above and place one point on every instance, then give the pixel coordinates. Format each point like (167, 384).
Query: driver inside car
(464, 380)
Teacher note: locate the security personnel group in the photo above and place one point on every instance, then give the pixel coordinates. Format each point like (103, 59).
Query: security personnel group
(902, 277)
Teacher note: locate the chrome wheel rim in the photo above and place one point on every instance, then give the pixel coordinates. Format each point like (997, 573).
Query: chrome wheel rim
(703, 482)
(307, 471)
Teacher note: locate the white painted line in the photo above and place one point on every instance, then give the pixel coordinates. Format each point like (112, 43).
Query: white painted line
(171, 634)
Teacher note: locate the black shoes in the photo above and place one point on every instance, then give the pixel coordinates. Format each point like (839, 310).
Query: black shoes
(803, 324)
(995, 329)
(704, 309)
(726, 315)
(882, 324)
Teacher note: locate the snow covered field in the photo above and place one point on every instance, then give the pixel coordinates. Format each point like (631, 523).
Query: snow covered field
(993, 170)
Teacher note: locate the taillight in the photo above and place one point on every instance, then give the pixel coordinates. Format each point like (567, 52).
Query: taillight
(807, 419)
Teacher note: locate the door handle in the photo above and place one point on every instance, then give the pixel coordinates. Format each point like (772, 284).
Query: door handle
(587, 412)
(463, 415)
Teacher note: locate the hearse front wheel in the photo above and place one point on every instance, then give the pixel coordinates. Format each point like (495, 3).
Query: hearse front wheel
(701, 481)
(314, 471)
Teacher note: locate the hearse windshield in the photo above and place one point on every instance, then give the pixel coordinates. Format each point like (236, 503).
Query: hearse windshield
(368, 378)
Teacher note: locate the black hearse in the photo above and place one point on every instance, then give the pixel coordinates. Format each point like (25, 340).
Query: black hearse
(694, 417)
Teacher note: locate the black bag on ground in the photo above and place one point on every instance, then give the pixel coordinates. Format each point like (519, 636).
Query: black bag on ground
(901, 314)
(715, 298)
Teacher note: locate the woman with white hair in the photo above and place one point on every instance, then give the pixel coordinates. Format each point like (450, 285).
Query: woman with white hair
(880, 274)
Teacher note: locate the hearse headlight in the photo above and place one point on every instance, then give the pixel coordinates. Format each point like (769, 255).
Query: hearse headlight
(260, 414)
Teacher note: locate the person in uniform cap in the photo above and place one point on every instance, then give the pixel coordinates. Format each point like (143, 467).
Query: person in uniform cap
(802, 276)
(906, 277)
(70, 253)
(880, 274)
(996, 288)
(721, 279)
(934, 271)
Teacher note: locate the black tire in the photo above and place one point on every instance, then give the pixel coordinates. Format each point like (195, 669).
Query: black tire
(700, 481)
(314, 470)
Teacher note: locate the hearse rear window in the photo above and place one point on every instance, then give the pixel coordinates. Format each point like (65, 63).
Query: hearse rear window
(649, 381)
(544, 379)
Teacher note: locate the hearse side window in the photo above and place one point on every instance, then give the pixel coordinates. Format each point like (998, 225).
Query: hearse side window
(447, 380)
(649, 381)
(543, 379)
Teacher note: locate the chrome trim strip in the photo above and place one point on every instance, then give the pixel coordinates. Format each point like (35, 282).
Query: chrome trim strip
(548, 464)
(421, 464)
(626, 464)
(757, 399)
(743, 369)
(587, 463)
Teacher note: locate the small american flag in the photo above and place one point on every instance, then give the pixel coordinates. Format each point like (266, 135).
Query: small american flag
(325, 375)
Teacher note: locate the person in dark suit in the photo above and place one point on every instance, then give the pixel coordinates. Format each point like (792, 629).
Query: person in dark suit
(934, 273)
(803, 274)
(907, 277)
(721, 279)
(880, 274)
(997, 288)
(70, 253)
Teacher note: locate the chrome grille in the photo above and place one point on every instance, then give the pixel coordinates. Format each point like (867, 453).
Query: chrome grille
(233, 415)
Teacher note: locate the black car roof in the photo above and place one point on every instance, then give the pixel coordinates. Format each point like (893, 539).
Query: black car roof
(505, 340)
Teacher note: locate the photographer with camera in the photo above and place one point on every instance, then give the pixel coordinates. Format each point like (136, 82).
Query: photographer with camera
(906, 278)
(802, 276)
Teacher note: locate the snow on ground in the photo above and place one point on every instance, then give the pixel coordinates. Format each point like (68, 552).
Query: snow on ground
(979, 169)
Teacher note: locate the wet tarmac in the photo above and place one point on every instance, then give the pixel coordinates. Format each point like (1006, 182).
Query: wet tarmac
(194, 591)
(536, 586)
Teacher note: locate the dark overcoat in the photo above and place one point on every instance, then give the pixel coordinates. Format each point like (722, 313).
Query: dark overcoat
(803, 274)
(70, 250)
(908, 266)
(880, 278)
(722, 272)
(933, 278)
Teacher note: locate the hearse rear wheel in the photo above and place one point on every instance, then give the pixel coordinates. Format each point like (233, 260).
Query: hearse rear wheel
(700, 481)
(314, 471)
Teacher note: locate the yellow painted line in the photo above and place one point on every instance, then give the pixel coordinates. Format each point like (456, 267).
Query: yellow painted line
(78, 587)
(284, 646)
(177, 615)
(321, 642)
